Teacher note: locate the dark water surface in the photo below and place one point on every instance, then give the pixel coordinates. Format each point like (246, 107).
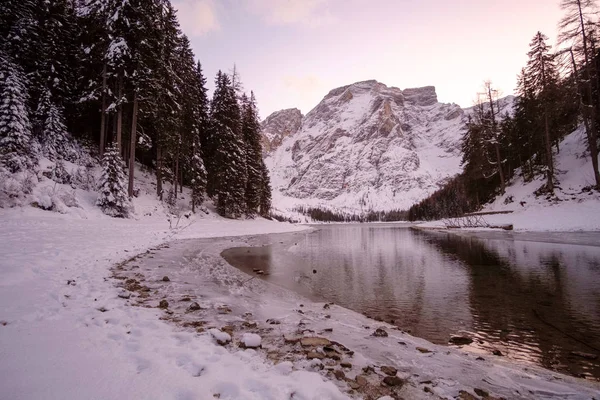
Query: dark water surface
(534, 297)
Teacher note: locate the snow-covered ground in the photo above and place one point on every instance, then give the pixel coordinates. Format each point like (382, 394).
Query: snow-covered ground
(68, 331)
(573, 208)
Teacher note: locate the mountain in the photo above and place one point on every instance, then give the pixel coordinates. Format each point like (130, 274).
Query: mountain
(365, 146)
(278, 126)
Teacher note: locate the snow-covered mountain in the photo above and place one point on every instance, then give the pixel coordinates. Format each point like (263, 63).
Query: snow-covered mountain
(364, 147)
(278, 126)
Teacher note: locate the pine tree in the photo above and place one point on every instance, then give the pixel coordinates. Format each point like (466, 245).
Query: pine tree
(543, 83)
(265, 193)
(56, 142)
(113, 199)
(251, 133)
(17, 150)
(198, 178)
(228, 167)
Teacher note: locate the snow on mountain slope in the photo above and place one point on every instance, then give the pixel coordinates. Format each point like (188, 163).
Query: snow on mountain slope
(366, 147)
(278, 126)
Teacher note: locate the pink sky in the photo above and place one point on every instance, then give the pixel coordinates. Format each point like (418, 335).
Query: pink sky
(292, 52)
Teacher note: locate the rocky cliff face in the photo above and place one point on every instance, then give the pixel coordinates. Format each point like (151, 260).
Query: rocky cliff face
(364, 147)
(278, 126)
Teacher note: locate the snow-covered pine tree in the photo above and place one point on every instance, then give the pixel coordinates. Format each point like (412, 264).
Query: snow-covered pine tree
(251, 133)
(113, 199)
(17, 151)
(229, 164)
(265, 193)
(198, 178)
(56, 142)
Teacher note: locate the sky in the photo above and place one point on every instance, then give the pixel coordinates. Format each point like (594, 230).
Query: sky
(291, 53)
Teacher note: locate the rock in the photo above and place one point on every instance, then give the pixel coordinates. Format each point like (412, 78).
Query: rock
(313, 354)
(326, 306)
(460, 340)
(186, 299)
(345, 365)
(339, 374)
(368, 369)
(393, 381)
(224, 310)
(163, 304)
(124, 294)
(423, 350)
(222, 338)
(313, 341)
(391, 371)
(166, 279)
(194, 307)
(379, 332)
(581, 354)
(249, 325)
(228, 329)
(497, 352)
(3, 323)
(464, 395)
(353, 385)
(251, 340)
(260, 272)
(291, 339)
(272, 321)
(329, 330)
(481, 392)
(361, 380)
(480, 359)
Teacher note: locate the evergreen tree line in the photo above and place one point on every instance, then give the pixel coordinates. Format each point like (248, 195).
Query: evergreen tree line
(556, 92)
(122, 76)
(325, 215)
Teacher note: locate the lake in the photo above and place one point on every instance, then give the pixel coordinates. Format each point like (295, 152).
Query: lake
(535, 297)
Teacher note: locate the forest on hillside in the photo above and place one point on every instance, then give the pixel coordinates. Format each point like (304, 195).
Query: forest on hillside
(557, 91)
(119, 80)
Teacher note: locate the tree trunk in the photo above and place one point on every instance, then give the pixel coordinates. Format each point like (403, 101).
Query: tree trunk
(181, 180)
(159, 164)
(549, 163)
(176, 175)
(132, 145)
(120, 116)
(103, 115)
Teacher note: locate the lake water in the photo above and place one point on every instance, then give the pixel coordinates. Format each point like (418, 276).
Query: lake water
(534, 297)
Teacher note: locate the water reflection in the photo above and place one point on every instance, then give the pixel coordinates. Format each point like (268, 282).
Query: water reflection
(534, 301)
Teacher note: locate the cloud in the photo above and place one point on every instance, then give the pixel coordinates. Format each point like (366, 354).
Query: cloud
(311, 13)
(197, 17)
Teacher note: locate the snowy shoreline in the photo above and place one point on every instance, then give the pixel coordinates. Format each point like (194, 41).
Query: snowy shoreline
(248, 307)
(68, 334)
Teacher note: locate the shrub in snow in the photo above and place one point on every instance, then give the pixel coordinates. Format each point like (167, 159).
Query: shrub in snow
(113, 198)
(60, 173)
(17, 152)
(15, 187)
(83, 178)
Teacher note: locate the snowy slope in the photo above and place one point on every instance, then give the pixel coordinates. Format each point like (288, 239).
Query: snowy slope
(573, 207)
(366, 147)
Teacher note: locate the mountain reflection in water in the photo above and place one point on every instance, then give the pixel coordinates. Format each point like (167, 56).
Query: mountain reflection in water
(528, 295)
